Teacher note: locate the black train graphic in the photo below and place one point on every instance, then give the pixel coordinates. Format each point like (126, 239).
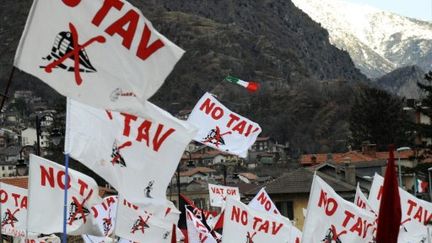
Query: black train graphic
(63, 44)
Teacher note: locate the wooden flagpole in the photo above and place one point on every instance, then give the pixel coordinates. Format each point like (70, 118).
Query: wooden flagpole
(7, 88)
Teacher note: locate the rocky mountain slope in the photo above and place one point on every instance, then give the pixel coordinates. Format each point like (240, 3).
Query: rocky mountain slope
(403, 81)
(378, 41)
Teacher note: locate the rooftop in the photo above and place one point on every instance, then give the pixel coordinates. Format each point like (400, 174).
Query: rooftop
(191, 172)
(351, 156)
(300, 181)
(20, 181)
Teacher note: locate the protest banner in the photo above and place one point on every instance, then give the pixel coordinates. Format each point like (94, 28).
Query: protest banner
(331, 218)
(219, 194)
(243, 224)
(103, 53)
(222, 129)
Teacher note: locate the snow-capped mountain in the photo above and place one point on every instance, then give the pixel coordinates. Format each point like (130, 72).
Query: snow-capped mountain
(377, 41)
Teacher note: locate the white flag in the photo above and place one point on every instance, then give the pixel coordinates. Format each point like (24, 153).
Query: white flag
(243, 224)
(165, 209)
(34, 239)
(105, 218)
(219, 194)
(137, 224)
(104, 53)
(46, 193)
(221, 128)
(262, 202)
(96, 239)
(416, 213)
(330, 218)
(136, 155)
(361, 200)
(197, 231)
(13, 210)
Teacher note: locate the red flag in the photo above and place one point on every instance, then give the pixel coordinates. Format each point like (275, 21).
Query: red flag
(174, 234)
(390, 214)
(219, 224)
(185, 201)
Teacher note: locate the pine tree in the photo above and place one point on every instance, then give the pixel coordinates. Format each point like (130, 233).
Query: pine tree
(425, 130)
(378, 117)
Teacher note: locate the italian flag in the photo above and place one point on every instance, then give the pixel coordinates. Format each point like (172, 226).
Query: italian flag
(422, 186)
(249, 85)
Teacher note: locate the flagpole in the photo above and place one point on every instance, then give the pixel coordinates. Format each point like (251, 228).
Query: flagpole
(66, 158)
(113, 236)
(178, 184)
(6, 91)
(28, 197)
(1, 225)
(64, 236)
(116, 215)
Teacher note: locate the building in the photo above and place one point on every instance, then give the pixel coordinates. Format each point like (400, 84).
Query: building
(21, 181)
(366, 162)
(197, 173)
(290, 192)
(206, 156)
(10, 154)
(266, 150)
(28, 136)
(8, 138)
(414, 110)
(262, 144)
(26, 95)
(7, 169)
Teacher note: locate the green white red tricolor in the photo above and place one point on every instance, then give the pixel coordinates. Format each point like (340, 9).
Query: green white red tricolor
(249, 85)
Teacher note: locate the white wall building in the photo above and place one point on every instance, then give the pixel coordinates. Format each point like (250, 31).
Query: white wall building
(7, 170)
(28, 136)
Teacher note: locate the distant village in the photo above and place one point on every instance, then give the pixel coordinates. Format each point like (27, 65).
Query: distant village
(28, 125)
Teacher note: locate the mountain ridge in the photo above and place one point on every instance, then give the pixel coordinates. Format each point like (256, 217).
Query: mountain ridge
(403, 82)
(398, 41)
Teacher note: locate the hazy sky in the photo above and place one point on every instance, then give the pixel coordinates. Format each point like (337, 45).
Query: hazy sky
(419, 9)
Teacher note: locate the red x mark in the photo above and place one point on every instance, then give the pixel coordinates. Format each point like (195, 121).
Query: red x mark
(80, 208)
(10, 218)
(250, 237)
(202, 237)
(75, 53)
(109, 114)
(117, 157)
(335, 235)
(140, 225)
(403, 222)
(107, 222)
(406, 220)
(217, 137)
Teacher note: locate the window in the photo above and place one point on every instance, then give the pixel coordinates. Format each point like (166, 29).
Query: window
(286, 209)
(10, 167)
(199, 202)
